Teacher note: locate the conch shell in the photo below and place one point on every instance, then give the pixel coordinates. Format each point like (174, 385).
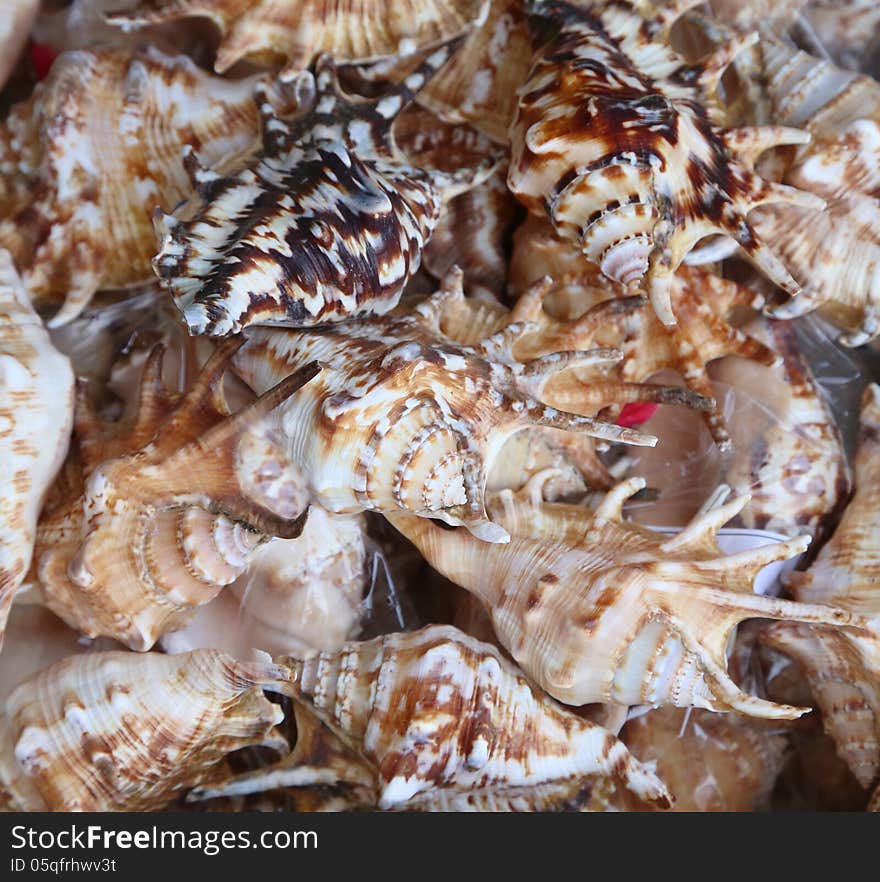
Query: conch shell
(87, 158)
(622, 144)
(297, 30)
(327, 223)
(117, 731)
(36, 415)
(596, 609)
(402, 417)
(843, 669)
(437, 710)
(154, 516)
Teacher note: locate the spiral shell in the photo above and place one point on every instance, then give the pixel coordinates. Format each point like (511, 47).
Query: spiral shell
(154, 516)
(622, 144)
(402, 417)
(327, 223)
(117, 731)
(87, 158)
(298, 30)
(437, 710)
(596, 609)
(36, 414)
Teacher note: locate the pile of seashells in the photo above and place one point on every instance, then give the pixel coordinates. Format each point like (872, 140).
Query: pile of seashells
(380, 381)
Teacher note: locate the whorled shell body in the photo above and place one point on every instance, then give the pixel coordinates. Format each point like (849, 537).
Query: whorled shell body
(153, 515)
(596, 609)
(402, 417)
(298, 30)
(327, 223)
(844, 669)
(836, 252)
(435, 710)
(710, 762)
(36, 415)
(86, 160)
(622, 144)
(117, 731)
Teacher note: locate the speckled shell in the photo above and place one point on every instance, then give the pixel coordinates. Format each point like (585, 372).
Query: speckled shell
(844, 670)
(118, 731)
(436, 709)
(700, 299)
(403, 417)
(154, 514)
(596, 609)
(622, 144)
(87, 158)
(297, 30)
(836, 253)
(36, 414)
(327, 223)
(297, 595)
(710, 762)
(15, 25)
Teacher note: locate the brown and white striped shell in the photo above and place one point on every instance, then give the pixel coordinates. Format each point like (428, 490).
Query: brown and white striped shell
(36, 415)
(836, 253)
(623, 145)
(596, 609)
(327, 223)
(402, 417)
(154, 514)
(844, 669)
(435, 710)
(266, 31)
(84, 162)
(710, 762)
(118, 731)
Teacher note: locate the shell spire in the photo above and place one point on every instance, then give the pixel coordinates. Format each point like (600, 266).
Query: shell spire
(621, 143)
(117, 731)
(596, 609)
(158, 513)
(437, 711)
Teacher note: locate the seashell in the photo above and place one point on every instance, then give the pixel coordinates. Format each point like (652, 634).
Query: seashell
(402, 417)
(479, 85)
(845, 29)
(327, 223)
(711, 762)
(596, 609)
(298, 30)
(36, 414)
(116, 731)
(700, 299)
(84, 162)
(154, 515)
(835, 252)
(844, 669)
(297, 595)
(623, 145)
(18, 16)
(437, 710)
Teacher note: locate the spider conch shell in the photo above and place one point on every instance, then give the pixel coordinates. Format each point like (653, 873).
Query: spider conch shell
(15, 25)
(298, 30)
(596, 609)
(401, 417)
(36, 414)
(155, 516)
(710, 762)
(436, 709)
(118, 731)
(835, 252)
(87, 158)
(844, 669)
(622, 144)
(326, 223)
